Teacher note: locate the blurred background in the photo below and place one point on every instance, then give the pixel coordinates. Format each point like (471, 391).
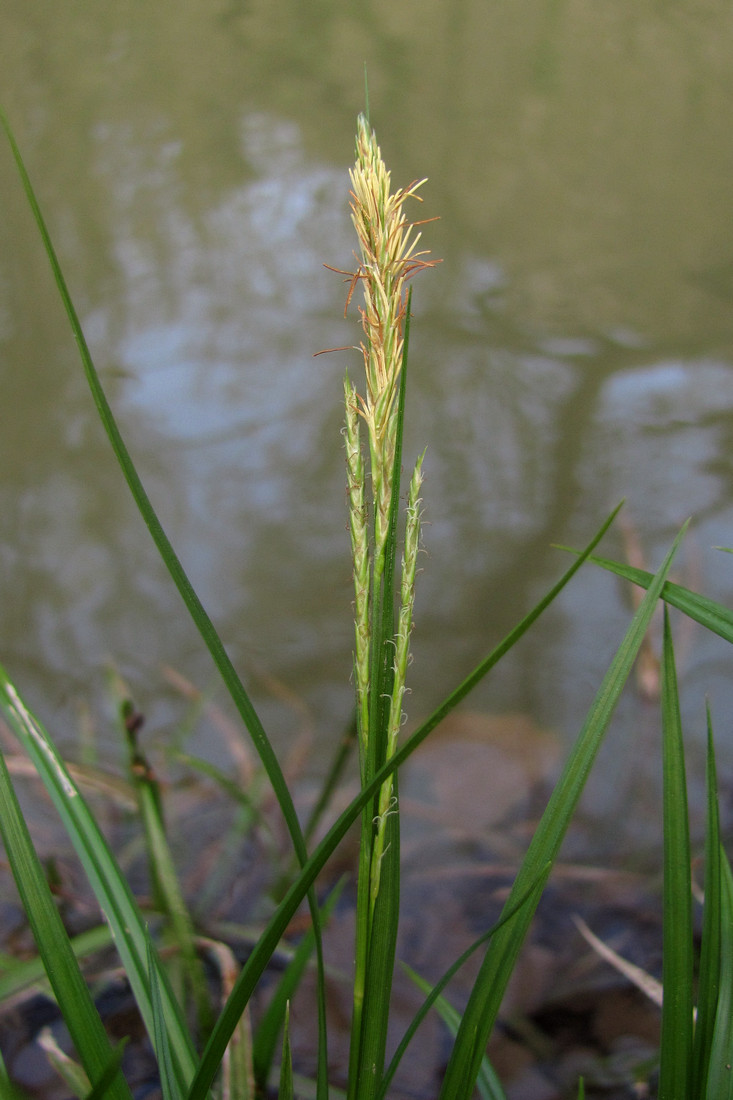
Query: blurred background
(574, 347)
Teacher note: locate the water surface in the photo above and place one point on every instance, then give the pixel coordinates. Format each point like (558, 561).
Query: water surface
(574, 347)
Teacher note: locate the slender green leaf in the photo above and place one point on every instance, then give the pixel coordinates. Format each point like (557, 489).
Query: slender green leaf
(71, 992)
(107, 881)
(437, 989)
(675, 1070)
(168, 1082)
(720, 1066)
(267, 944)
(285, 1091)
(271, 1024)
(101, 1089)
(487, 993)
(710, 946)
(165, 880)
(380, 967)
(487, 1083)
(710, 614)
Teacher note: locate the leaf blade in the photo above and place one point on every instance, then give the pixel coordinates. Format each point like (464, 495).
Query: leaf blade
(710, 946)
(675, 1072)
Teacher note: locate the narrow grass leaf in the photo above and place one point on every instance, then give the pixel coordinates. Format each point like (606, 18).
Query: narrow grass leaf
(487, 993)
(720, 1065)
(380, 967)
(710, 945)
(440, 985)
(675, 1071)
(165, 880)
(285, 1091)
(186, 590)
(487, 1083)
(256, 963)
(168, 1082)
(362, 918)
(105, 878)
(70, 989)
(101, 1089)
(710, 614)
(271, 1024)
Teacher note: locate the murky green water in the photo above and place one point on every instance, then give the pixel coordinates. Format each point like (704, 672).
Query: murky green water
(574, 347)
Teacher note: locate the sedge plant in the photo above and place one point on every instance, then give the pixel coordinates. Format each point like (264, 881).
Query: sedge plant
(230, 1054)
(387, 260)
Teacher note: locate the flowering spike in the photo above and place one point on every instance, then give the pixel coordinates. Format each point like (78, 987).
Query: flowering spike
(388, 258)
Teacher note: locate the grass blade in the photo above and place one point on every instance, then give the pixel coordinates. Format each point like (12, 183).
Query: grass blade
(109, 885)
(70, 989)
(168, 1083)
(434, 993)
(720, 1075)
(710, 614)
(487, 1083)
(271, 1024)
(501, 956)
(710, 947)
(675, 1072)
(166, 887)
(101, 1089)
(285, 1090)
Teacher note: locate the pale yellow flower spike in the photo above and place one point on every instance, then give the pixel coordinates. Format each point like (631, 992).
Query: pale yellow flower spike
(388, 258)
